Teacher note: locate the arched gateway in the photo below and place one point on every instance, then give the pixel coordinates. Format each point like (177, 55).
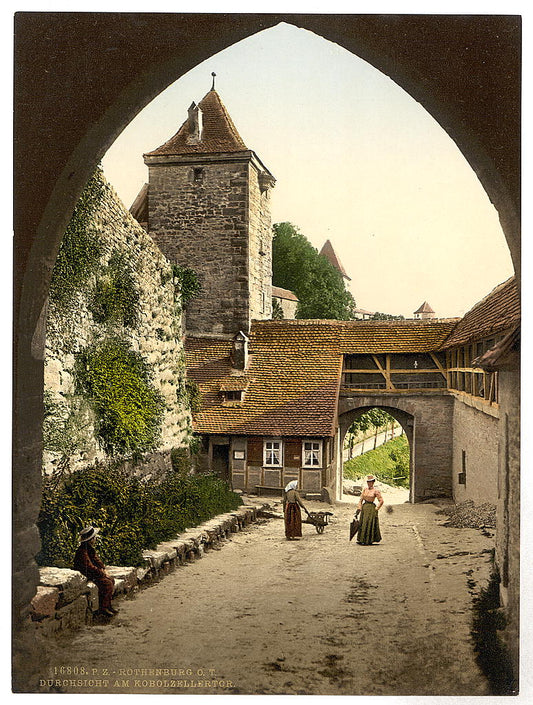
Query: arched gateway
(427, 423)
(83, 108)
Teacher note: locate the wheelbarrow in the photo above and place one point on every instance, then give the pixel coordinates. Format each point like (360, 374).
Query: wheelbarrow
(318, 519)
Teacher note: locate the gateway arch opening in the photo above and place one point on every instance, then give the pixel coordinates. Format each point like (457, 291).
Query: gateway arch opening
(377, 441)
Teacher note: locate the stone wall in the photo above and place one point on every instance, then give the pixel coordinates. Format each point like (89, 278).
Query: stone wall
(260, 267)
(200, 220)
(427, 421)
(475, 452)
(508, 506)
(157, 336)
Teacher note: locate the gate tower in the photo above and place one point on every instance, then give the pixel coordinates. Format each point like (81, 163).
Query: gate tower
(208, 208)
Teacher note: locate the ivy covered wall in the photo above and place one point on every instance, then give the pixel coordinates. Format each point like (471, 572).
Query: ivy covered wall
(115, 382)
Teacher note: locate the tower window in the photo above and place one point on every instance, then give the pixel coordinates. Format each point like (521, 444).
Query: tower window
(198, 174)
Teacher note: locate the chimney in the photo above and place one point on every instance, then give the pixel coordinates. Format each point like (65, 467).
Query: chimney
(239, 354)
(194, 124)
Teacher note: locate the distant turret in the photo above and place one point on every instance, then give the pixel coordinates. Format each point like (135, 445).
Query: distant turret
(329, 253)
(425, 311)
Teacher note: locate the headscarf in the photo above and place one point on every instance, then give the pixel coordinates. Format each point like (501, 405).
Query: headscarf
(293, 484)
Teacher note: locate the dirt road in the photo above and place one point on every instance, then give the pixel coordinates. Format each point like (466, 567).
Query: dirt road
(319, 616)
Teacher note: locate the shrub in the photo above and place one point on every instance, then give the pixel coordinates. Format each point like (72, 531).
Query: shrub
(128, 409)
(132, 513)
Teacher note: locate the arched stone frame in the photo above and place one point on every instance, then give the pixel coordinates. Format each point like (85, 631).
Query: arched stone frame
(428, 422)
(82, 77)
(404, 418)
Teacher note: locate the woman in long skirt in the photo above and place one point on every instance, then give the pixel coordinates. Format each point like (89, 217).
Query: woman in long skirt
(369, 528)
(291, 511)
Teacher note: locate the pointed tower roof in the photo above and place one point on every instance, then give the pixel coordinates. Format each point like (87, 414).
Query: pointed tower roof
(217, 132)
(329, 253)
(425, 308)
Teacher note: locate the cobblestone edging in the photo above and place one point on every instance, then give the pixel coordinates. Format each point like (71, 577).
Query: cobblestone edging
(66, 600)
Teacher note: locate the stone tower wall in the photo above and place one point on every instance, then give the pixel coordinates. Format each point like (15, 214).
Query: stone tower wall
(203, 224)
(260, 267)
(217, 222)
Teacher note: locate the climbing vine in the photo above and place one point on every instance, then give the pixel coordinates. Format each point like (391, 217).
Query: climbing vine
(81, 248)
(187, 282)
(193, 396)
(128, 409)
(115, 298)
(66, 427)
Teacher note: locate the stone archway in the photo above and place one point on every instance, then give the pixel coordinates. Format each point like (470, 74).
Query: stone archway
(405, 420)
(86, 75)
(428, 423)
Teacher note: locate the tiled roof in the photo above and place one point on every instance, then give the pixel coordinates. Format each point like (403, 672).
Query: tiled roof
(293, 382)
(219, 134)
(293, 377)
(425, 308)
(329, 253)
(498, 356)
(280, 293)
(394, 336)
(497, 312)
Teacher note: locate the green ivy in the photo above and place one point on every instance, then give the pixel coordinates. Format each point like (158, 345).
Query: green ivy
(65, 428)
(187, 282)
(128, 409)
(193, 396)
(133, 513)
(115, 298)
(81, 248)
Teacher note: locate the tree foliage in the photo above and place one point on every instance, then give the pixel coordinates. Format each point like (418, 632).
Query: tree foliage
(319, 286)
(188, 283)
(378, 316)
(389, 463)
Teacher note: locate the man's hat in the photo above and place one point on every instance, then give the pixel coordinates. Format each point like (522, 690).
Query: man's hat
(88, 533)
(370, 478)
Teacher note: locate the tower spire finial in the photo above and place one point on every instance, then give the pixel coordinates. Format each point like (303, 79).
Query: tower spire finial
(213, 86)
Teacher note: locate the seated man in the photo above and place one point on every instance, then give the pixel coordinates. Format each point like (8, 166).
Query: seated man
(90, 565)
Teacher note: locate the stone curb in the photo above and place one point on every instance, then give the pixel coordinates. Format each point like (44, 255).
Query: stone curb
(66, 600)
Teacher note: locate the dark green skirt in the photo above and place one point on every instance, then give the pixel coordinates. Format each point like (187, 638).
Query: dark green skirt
(369, 530)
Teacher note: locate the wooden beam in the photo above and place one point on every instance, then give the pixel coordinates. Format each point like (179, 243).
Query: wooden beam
(440, 367)
(393, 371)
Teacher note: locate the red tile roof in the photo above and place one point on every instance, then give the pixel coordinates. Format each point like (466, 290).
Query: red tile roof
(293, 378)
(329, 253)
(219, 134)
(425, 308)
(394, 336)
(499, 311)
(293, 382)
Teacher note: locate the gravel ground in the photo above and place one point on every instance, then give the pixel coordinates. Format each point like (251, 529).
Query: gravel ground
(319, 616)
(472, 516)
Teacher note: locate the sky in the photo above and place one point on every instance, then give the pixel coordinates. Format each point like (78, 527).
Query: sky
(357, 161)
